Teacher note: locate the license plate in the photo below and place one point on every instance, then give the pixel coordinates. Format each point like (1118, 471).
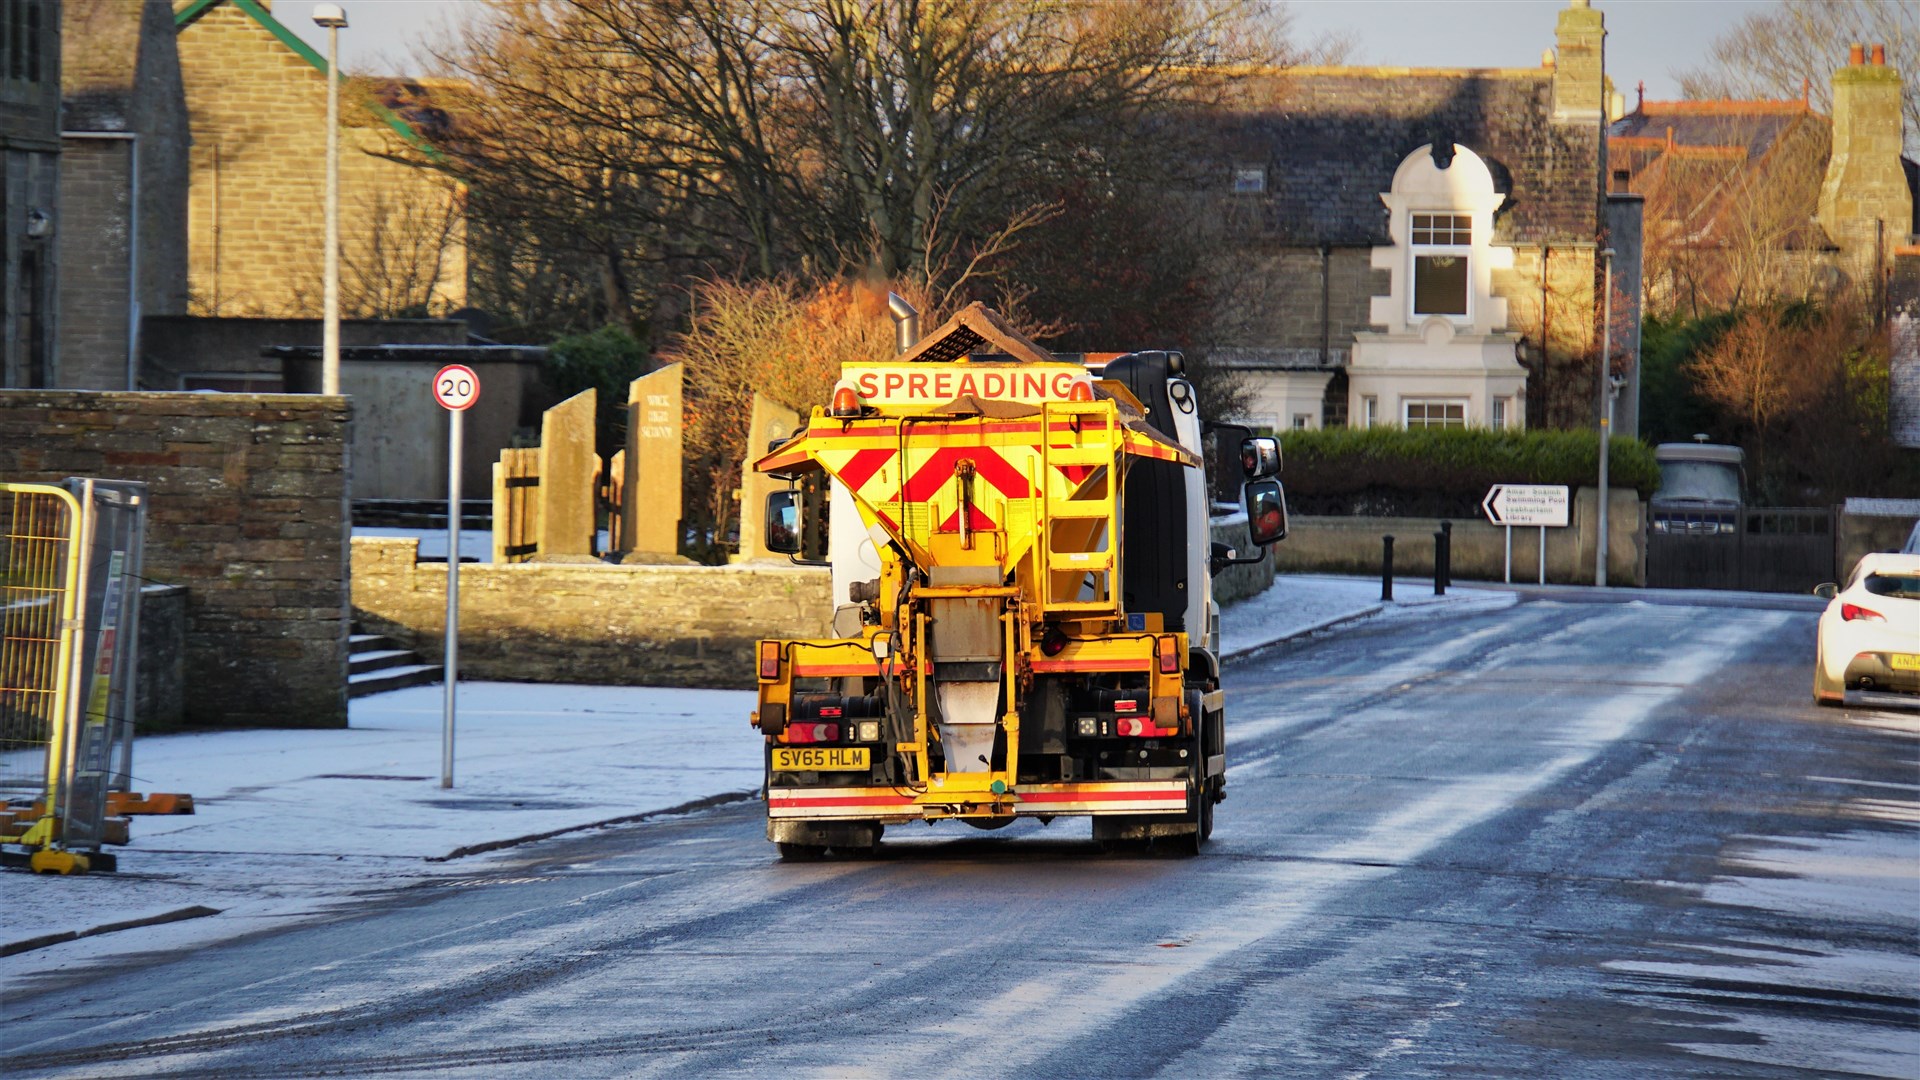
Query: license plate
(819, 758)
(1901, 661)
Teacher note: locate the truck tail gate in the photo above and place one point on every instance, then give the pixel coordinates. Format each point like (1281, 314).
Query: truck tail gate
(1113, 797)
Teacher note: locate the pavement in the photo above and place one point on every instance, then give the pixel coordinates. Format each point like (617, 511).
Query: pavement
(292, 824)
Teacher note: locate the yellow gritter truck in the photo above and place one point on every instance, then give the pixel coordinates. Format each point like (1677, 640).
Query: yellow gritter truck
(1024, 623)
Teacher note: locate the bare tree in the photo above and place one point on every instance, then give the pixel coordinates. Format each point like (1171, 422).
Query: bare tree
(663, 141)
(913, 102)
(1798, 43)
(1723, 230)
(776, 337)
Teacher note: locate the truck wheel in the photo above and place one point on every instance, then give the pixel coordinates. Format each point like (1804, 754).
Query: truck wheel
(1206, 788)
(1199, 813)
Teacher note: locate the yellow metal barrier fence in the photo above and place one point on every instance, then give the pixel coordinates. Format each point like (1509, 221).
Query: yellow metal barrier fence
(70, 563)
(39, 627)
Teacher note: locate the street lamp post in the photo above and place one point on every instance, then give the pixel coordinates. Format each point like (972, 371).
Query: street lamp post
(1607, 391)
(333, 18)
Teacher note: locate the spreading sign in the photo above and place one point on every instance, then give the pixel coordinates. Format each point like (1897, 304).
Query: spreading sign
(909, 385)
(1527, 504)
(456, 387)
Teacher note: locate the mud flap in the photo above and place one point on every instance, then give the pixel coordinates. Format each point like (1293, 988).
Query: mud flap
(1141, 827)
(836, 834)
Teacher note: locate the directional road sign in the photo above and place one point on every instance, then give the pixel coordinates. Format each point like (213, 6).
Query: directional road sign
(456, 387)
(1527, 504)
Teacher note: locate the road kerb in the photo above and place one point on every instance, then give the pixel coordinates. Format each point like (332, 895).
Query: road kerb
(197, 911)
(705, 802)
(1324, 624)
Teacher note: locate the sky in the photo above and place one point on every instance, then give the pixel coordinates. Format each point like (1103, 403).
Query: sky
(1650, 40)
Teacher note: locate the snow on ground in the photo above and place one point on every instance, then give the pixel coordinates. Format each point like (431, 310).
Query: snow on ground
(476, 545)
(289, 824)
(1303, 603)
(286, 819)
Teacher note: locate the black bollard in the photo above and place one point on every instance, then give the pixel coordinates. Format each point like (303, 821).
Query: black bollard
(1439, 564)
(1386, 569)
(1444, 571)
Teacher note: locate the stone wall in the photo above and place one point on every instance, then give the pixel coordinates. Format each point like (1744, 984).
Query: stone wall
(591, 623)
(248, 512)
(160, 684)
(637, 625)
(1352, 545)
(256, 227)
(96, 296)
(1868, 525)
(1903, 349)
(123, 183)
(1236, 583)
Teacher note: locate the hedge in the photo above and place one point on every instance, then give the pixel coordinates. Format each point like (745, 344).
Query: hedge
(1455, 465)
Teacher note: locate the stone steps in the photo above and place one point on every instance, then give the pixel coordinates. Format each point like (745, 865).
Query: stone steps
(377, 663)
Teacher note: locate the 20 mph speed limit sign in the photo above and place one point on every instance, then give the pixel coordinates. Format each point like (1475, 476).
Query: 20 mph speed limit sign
(456, 387)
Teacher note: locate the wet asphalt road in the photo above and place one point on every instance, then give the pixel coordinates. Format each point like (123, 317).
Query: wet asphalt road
(1564, 840)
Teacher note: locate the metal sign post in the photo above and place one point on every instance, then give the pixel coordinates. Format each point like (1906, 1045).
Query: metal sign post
(1544, 505)
(456, 388)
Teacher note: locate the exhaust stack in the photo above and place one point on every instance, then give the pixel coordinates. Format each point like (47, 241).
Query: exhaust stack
(906, 322)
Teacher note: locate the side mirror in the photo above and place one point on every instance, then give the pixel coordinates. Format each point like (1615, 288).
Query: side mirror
(1266, 511)
(1260, 457)
(1826, 591)
(783, 522)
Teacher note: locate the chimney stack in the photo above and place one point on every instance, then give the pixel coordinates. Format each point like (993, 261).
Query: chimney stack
(1579, 70)
(1865, 205)
(1857, 55)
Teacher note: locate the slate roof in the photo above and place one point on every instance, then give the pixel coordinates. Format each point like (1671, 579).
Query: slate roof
(1690, 157)
(1331, 138)
(1752, 125)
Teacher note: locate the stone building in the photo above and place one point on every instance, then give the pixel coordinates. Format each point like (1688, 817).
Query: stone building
(257, 96)
(1753, 198)
(1421, 246)
(123, 188)
(29, 181)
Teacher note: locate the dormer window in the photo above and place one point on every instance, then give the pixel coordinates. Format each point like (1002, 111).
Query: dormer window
(1441, 245)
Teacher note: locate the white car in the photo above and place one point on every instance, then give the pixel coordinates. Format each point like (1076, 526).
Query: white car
(1870, 632)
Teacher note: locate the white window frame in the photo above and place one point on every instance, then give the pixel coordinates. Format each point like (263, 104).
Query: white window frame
(1407, 404)
(1417, 249)
(1498, 416)
(1302, 421)
(1369, 411)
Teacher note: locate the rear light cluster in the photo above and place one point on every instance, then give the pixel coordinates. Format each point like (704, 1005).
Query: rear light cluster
(1168, 650)
(1121, 713)
(824, 718)
(1853, 612)
(1131, 727)
(861, 730)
